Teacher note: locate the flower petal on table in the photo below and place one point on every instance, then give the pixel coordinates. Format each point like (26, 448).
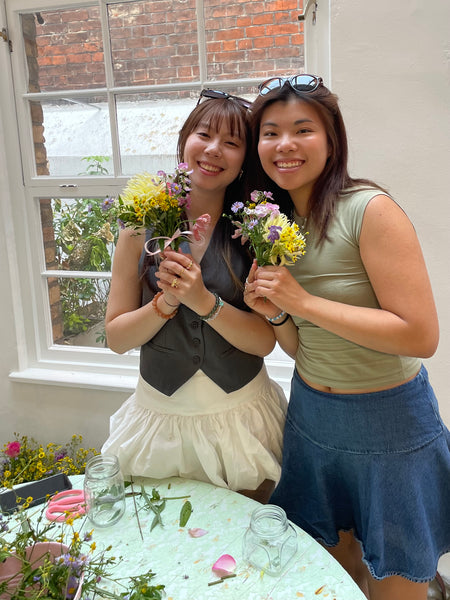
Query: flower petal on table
(224, 565)
(196, 532)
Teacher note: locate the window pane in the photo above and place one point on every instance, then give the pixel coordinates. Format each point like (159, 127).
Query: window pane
(252, 39)
(77, 234)
(148, 127)
(153, 42)
(77, 307)
(69, 134)
(64, 49)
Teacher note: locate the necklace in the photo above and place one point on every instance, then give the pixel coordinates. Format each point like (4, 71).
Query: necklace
(302, 222)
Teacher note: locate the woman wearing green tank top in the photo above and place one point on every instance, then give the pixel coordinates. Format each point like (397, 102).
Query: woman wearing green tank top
(366, 458)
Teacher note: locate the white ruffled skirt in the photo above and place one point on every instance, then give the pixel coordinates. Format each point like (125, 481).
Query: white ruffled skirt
(201, 432)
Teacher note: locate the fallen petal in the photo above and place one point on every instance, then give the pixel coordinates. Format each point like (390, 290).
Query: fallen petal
(224, 565)
(196, 532)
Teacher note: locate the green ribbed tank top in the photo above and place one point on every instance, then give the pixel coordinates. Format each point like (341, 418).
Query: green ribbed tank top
(334, 270)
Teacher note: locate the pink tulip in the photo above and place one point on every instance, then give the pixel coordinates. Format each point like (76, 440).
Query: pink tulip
(224, 565)
(200, 226)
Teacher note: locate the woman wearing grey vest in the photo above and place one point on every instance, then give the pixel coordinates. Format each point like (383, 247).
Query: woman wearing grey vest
(204, 407)
(366, 457)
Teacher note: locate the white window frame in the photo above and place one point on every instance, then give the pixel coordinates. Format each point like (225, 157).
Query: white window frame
(39, 360)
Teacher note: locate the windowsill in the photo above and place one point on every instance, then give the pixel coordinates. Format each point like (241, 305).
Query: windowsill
(279, 370)
(79, 379)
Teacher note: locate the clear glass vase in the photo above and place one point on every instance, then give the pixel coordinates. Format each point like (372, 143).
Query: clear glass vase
(104, 490)
(270, 541)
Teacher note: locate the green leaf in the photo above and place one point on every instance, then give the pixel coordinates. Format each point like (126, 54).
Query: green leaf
(185, 513)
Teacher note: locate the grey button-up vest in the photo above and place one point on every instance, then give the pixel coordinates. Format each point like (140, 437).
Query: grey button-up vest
(186, 343)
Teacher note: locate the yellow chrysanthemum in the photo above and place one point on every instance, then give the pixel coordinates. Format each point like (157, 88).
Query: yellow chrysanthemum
(290, 245)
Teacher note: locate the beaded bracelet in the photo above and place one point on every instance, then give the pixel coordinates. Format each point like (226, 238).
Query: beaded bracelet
(281, 322)
(277, 318)
(160, 313)
(215, 310)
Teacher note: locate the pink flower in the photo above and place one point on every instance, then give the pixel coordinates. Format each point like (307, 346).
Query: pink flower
(196, 532)
(261, 210)
(224, 565)
(200, 226)
(12, 449)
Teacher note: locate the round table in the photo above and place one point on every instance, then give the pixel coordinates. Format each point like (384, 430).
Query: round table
(183, 563)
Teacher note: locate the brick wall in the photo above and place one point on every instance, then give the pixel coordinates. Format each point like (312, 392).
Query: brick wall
(156, 42)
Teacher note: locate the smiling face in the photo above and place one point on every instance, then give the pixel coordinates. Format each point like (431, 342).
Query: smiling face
(215, 154)
(293, 147)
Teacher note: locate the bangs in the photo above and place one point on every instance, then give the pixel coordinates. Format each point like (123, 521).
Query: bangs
(224, 112)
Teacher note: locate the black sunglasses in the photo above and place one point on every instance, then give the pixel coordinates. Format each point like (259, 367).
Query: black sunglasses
(214, 94)
(299, 83)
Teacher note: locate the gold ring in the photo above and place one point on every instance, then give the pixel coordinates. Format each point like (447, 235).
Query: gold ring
(189, 265)
(174, 282)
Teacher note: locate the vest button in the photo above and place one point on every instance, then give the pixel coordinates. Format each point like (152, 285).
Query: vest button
(196, 342)
(196, 359)
(195, 324)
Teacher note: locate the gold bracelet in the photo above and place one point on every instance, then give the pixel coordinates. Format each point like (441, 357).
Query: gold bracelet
(160, 313)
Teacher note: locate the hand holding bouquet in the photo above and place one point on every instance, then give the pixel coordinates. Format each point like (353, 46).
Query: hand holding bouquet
(158, 202)
(273, 239)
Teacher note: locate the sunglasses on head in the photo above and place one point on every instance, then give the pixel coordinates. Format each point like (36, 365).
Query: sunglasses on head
(299, 83)
(214, 94)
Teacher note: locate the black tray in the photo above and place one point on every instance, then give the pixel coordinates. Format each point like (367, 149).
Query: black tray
(38, 490)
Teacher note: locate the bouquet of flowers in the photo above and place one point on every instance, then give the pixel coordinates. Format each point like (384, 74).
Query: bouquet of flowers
(158, 202)
(273, 239)
(69, 567)
(24, 459)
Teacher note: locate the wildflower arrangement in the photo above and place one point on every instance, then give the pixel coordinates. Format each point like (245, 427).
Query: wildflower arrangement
(273, 239)
(24, 459)
(157, 202)
(68, 568)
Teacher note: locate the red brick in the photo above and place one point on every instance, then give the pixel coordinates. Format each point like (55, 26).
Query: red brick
(233, 34)
(264, 42)
(282, 28)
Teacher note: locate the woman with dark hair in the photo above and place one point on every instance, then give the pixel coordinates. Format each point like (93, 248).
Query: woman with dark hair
(366, 458)
(204, 407)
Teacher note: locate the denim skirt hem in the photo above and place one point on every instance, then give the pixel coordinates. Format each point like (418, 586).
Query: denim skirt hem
(377, 464)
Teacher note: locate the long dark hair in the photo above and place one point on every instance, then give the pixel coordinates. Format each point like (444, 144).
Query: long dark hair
(213, 113)
(334, 181)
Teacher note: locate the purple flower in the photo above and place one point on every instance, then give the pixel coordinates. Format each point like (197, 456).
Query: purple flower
(252, 223)
(237, 206)
(106, 204)
(175, 188)
(161, 174)
(274, 233)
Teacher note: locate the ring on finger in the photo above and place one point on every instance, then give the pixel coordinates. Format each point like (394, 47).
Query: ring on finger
(189, 265)
(174, 283)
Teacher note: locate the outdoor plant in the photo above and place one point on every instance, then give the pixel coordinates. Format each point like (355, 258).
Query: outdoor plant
(24, 459)
(85, 239)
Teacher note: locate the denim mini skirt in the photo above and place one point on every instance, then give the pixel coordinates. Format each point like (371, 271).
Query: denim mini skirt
(377, 464)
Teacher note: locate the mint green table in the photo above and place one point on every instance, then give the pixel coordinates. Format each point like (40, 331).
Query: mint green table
(183, 564)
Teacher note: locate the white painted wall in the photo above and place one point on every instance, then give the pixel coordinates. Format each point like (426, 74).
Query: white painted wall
(389, 63)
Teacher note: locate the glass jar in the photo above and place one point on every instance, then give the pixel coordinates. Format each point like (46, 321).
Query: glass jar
(270, 541)
(104, 490)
